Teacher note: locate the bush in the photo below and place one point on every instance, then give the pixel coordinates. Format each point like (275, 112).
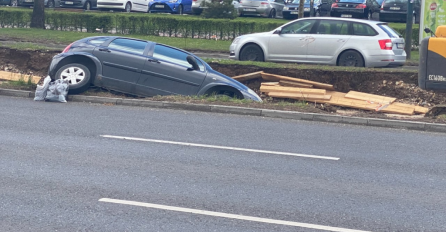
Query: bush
(219, 9)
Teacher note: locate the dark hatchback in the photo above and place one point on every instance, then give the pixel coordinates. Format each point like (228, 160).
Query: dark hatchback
(396, 11)
(290, 11)
(361, 9)
(83, 4)
(140, 68)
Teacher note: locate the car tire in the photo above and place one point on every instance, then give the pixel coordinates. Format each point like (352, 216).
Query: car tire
(180, 9)
(272, 14)
(13, 3)
(414, 19)
(77, 73)
(251, 52)
(128, 7)
(370, 15)
(50, 4)
(351, 59)
(317, 14)
(87, 5)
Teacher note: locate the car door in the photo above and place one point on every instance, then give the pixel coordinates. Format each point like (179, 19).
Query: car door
(330, 37)
(290, 44)
(122, 60)
(167, 72)
(140, 5)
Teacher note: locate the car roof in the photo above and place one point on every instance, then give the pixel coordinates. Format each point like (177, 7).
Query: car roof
(348, 19)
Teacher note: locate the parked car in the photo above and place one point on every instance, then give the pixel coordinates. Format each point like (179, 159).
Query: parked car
(47, 3)
(83, 4)
(291, 10)
(264, 8)
(140, 68)
(396, 11)
(170, 6)
(324, 40)
(362, 9)
(8, 2)
(124, 5)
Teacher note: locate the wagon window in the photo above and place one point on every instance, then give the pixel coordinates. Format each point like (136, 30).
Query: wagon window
(129, 45)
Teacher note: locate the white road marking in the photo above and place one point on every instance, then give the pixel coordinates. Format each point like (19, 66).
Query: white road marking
(227, 215)
(220, 147)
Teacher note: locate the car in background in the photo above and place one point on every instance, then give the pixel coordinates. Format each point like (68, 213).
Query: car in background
(324, 40)
(47, 3)
(8, 2)
(124, 5)
(263, 8)
(83, 4)
(197, 7)
(361, 9)
(396, 11)
(141, 68)
(291, 10)
(170, 6)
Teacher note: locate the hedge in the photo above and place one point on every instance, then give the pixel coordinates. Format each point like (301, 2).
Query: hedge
(152, 24)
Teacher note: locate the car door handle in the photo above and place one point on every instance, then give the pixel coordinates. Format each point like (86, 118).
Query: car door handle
(104, 50)
(153, 60)
(341, 40)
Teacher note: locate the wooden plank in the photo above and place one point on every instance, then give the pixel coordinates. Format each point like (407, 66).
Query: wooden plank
(370, 97)
(249, 76)
(273, 77)
(10, 76)
(294, 84)
(266, 89)
(417, 109)
(270, 83)
(299, 96)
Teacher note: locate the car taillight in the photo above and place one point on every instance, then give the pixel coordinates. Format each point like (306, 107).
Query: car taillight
(67, 48)
(385, 44)
(382, 5)
(334, 5)
(194, 0)
(361, 6)
(264, 3)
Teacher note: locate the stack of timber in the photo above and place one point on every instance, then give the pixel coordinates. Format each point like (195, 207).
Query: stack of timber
(278, 86)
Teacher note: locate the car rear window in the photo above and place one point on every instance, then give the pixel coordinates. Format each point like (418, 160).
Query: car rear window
(389, 31)
(395, 1)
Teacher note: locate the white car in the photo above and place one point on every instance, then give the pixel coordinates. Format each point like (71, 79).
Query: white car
(124, 5)
(324, 40)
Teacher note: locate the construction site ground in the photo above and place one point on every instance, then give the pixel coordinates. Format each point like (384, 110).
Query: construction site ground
(397, 83)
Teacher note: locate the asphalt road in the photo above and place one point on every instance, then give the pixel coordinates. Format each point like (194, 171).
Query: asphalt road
(59, 173)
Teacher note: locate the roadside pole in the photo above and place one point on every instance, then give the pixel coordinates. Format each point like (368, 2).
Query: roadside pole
(409, 24)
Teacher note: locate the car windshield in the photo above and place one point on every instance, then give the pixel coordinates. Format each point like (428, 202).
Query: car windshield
(390, 32)
(352, 1)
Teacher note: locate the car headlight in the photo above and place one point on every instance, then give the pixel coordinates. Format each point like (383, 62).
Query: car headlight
(286, 8)
(236, 40)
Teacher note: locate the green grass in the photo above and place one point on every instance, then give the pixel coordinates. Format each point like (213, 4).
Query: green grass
(414, 56)
(21, 84)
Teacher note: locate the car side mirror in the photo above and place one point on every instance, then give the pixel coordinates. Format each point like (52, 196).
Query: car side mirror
(191, 60)
(278, 31)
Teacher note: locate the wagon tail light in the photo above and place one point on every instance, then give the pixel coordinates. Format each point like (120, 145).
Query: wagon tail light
(385, 44)
(361, 6)
(382, 5)
(264, 3)
(334, 5)
(67, 48)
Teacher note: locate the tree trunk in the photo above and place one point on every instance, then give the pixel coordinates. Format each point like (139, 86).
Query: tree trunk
(300, 14)
(38, 17)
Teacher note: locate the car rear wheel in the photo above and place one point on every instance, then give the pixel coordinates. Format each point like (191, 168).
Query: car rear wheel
(50, 4)
(77, 75)
(13, 3)
(272, 14)
(351, 58)
(180, 9)
(252, 53)
(128, 7)
(87, 6)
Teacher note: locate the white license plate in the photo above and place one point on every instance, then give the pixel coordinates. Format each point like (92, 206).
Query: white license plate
(394, 8)
(159, 6)
(346, 16)
(294, 12)
(69, 3)
(29, 0)
(400, 45)
(249, 9)
(306, 9)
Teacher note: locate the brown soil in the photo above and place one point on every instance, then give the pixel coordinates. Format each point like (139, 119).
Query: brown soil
(388, 82)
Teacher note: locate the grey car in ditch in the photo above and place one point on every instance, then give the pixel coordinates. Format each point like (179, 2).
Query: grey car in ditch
(142, 68)
(324, 40)
(263, 8)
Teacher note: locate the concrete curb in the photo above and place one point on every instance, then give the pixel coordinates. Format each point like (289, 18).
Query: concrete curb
(398, 124)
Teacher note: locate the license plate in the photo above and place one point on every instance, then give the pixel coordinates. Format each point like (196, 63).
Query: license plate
(346, 16)
(394, 8)
(246, 9)
(306, 9)
(29, 0)
(294, 12)
(400, 45)
(159, 6)
(69, 3)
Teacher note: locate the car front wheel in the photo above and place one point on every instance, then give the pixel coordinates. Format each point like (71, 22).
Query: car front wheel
(252, 53)
(77, 75)
(51, 4)
(351, 58)
(180, 9)
(128, 7)
(87, 6)
(272, 14)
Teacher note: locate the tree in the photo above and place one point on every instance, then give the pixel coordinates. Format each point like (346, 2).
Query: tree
(38, 17)
(219, 9)
(300, 14)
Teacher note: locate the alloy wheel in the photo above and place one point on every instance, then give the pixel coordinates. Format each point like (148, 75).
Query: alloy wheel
(74, 75)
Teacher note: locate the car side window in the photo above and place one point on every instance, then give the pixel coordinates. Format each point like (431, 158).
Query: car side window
(363, 29)
(299, 27)
(98, 41)
(172, 55)
(129, 45)
(333, 27)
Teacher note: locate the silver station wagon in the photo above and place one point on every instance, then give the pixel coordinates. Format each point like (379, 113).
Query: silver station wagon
(324, 40)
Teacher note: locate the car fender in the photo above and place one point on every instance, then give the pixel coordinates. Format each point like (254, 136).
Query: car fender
(63, 58)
